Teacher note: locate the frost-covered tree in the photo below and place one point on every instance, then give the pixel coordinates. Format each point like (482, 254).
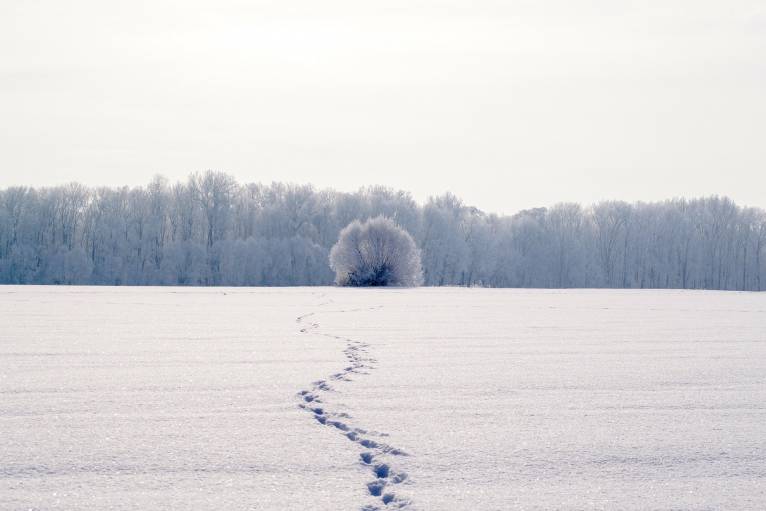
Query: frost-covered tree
(376, 253)
(211, 230)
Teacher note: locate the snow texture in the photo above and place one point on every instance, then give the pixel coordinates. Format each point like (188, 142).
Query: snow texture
(375, 399)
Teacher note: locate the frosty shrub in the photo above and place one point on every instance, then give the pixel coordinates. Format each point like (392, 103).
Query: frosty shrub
(376, 253)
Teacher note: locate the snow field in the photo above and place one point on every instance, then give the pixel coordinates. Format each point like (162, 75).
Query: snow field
(432, 398)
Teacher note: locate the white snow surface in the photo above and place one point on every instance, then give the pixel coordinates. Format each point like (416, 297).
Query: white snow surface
(465, 399)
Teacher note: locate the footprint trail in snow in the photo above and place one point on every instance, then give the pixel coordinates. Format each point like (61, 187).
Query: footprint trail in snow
(375, 454)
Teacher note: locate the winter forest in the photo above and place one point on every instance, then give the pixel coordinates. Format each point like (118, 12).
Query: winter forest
(211, 230)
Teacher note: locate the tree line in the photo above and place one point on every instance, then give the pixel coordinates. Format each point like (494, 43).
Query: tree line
(211, 230)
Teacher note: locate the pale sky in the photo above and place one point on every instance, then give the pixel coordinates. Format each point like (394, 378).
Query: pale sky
(508, 104)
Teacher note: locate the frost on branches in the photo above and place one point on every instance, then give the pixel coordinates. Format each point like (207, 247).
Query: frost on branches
(376, 253)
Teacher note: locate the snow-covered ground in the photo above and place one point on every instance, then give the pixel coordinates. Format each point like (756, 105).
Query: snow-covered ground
(459, 399)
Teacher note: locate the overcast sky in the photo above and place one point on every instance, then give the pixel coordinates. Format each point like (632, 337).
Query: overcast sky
(508, 104)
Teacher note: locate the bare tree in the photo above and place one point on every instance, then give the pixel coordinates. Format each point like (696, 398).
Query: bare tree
(610, 219)
(214, 192)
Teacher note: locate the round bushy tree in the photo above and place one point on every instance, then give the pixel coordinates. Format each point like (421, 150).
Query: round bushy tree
(376, 253)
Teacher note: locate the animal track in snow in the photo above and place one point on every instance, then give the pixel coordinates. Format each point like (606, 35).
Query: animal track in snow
(358, 362)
